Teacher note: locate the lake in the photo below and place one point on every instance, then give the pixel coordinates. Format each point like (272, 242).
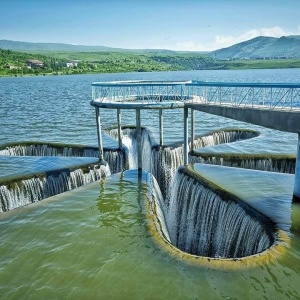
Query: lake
(96, 242)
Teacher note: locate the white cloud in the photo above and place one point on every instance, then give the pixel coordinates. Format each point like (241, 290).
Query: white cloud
(186, 46)
(226, 41)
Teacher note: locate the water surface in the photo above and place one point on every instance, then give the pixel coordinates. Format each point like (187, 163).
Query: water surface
(93, 242)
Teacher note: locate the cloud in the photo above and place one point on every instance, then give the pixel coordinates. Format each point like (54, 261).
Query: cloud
(187, 45)
(221, 41)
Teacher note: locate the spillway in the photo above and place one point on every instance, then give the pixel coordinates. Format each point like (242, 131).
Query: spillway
(205, 222)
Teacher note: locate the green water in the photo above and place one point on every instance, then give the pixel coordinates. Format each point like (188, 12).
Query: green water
(94, 243)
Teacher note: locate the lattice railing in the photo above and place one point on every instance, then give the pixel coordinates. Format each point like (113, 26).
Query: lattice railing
(260, 95)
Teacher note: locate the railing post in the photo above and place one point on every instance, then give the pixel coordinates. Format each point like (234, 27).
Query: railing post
(161, 127)
(139, 138)
(271, 102)
(296, 192)
(99, 134)
(119, 128)
(186, 138)
(192, 129)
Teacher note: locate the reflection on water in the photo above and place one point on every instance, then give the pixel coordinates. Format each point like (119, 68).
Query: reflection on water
(93, 243)
(119, 205)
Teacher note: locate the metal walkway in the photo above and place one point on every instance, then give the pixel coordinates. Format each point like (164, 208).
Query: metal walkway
(129, 94)
(272, 105)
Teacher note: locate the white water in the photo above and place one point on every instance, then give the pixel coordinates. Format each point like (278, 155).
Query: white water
(222, 137)
(161, 162)
(47, 150)
(164, 162)
(263, 164)
(130, 142)
(202, 223)
(192, 217)
(35, 189)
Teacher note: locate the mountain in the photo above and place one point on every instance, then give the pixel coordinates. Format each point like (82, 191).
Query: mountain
(262, 47)
(59, 47)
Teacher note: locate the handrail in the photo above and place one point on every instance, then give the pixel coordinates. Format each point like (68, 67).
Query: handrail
(237, 94)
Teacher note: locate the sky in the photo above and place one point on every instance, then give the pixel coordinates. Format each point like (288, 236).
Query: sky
(186, 25)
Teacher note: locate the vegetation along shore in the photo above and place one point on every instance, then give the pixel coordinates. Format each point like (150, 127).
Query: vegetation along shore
(13, 63)
(23, 58)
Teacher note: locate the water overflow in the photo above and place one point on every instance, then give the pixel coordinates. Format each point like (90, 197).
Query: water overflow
(194, 215)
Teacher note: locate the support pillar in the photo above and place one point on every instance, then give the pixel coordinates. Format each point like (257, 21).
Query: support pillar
(99, 134)
(119, 128)
(161, 127)
(296, 196)
(186, 136)
(139, 138)
(192, 129)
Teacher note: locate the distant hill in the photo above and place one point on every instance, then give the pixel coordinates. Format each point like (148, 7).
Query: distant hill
(262, 47)
(17, 63)
(59, 47)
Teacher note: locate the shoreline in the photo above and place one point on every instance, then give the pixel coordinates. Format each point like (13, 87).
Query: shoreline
(130, 71)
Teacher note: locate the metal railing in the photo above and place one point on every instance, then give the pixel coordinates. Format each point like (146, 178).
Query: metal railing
(271, 96)
(140, 91)
(268, 96)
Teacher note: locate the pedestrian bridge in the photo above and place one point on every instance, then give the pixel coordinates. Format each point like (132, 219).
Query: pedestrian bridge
(271, 105)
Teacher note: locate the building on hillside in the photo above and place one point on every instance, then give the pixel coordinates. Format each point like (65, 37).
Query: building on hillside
(75, 62)
(11, 67)
(34, 63)
(67, 64)
(71, 64)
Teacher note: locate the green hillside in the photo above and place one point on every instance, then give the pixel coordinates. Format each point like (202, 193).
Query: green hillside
(262, 48)
(15, 63)
(263, 64)
(60, 47)
(41, 47)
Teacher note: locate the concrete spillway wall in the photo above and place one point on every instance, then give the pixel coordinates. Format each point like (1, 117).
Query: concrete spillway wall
(283, 120)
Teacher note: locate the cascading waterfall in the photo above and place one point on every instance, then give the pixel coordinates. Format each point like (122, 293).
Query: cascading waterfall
(269, 163)
(157, 205)
(203, 223)
(35, 189)
(130, 141)
(48, 150)
(115, 158)
(163, 162)
(131, 145)
(222, 137)
(191, 216)
(167, 161)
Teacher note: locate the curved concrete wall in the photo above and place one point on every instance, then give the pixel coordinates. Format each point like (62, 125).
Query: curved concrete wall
(283, 120)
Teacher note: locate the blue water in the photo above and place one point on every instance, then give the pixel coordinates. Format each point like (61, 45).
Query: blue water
(95, 242)
(57, 108)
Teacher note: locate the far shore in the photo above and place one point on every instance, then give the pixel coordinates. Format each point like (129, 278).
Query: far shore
(236, 65)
